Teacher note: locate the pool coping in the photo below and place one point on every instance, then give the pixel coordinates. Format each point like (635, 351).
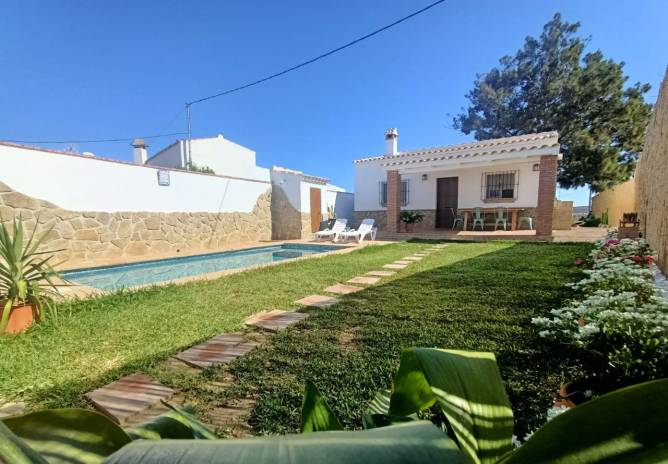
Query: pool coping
(76, 290)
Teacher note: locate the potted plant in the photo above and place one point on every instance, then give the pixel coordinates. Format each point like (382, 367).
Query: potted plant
(409, 218)
(27, 278)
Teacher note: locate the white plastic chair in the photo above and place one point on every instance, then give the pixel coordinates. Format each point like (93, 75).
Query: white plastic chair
(339, 226)
(365, 228)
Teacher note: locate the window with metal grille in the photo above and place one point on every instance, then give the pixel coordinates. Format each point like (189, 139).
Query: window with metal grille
(498, 186)
(405, 192)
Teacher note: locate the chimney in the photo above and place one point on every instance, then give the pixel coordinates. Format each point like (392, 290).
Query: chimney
(391, 138)
(139, 151)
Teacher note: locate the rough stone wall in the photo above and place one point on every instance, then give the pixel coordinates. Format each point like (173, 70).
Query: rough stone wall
(85, 237)
(652, 179)
(306, 225)
(286, 221)
(615, 201)
(562, 216)
(379, 216)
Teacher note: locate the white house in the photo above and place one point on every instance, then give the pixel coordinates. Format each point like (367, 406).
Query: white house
(515, 173)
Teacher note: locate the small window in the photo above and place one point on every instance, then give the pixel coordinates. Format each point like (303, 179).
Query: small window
(405, 193)
(500, 186)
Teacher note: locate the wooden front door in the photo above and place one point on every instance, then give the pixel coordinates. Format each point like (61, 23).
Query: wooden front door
(316, 213)
(447, 189)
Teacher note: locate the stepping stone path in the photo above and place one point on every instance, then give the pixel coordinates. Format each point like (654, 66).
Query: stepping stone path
(380, 273)
(364, 280)
(275, 320)
(128, 396)
(412, 258)
(343, 289)
(319, 301)
(219, 350)
(401, 261)
(395, 266)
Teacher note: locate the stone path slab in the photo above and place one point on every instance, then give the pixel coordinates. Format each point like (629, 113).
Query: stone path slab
(275, 320)
(364, 280)
(380, 273)
(343, 289)
(403, 262)
(395, 266)
(128, 396)
(411, 258)
(219, 350)
(319, 301)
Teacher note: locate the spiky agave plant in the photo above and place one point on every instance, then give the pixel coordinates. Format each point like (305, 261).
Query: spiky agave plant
(27, 276)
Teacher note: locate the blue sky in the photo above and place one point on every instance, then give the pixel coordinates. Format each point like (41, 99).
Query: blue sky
(94, 69)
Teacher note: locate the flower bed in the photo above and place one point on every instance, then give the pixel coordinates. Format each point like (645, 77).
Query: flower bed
(618, 312)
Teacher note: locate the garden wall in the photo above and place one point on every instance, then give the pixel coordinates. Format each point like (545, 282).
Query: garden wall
(86, 238)
(651, 179)
(616, 201)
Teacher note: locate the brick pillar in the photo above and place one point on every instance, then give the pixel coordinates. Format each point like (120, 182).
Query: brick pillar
(393, 201)
(547, 189)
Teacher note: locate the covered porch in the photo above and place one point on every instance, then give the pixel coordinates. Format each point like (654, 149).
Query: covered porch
(509, 196)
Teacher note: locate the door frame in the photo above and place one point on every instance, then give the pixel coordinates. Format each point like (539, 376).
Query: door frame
(315, 206)
(437, 223)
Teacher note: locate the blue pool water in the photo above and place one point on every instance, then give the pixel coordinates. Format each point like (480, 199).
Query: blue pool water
(150, 272)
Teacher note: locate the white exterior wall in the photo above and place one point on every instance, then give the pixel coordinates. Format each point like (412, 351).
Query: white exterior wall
(223, 156)
(80, 183)
(423, 193)
(170, 157)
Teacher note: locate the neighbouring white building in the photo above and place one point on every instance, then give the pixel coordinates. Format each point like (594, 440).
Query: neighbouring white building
(514, 173)
(101, 208)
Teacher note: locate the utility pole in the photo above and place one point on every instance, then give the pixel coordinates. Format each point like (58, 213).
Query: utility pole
(189, 116)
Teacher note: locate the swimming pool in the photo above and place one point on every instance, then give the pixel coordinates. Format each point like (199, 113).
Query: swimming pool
(151, 272)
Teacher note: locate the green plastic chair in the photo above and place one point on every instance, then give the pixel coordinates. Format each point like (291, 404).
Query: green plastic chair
(459, 217)
(525, 219)
(501, 217)
(478, 218)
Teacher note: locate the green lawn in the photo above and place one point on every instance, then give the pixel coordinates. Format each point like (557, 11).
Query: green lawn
(477, 296)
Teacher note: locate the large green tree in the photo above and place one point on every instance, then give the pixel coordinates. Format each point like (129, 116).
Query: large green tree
(552, 84)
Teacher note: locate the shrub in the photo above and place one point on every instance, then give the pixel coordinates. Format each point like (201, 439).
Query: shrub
(618, 275)
(635, 250)
(633, 335)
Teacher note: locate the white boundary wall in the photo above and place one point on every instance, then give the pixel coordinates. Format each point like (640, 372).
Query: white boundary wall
(81, 183)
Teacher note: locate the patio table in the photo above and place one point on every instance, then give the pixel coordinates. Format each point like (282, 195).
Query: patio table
(513, 215)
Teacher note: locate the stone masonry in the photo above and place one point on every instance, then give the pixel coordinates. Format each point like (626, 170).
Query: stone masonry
(89, 236)
(650, 178)
(393, 201)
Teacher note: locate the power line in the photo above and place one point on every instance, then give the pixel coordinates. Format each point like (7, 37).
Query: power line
(123, 139)
(319, 57)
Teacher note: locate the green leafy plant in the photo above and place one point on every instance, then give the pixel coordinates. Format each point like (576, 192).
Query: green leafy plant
(411, 217)
(465, 386)
(203, 169)
(589, 221)
(27, 276)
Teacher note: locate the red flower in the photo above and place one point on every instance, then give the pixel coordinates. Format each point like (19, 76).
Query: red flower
(612, 242)
(649, 259)
(579, 262)
(636, 258)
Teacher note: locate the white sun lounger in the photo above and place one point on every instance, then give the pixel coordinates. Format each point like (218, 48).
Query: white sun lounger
(338, 226)
(365, 228)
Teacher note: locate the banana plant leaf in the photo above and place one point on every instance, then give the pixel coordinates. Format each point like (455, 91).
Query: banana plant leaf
(177, 423)
(69, 436)
(468, 387)
(416, 442)
(13, 450)
(626, 426)
(377, 413)
(317, 416)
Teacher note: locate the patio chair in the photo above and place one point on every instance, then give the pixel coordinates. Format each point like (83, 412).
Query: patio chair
(502, 218)
(478, 218)
(365, 228)
(525, 219)
(339, 226)
(458, 217)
